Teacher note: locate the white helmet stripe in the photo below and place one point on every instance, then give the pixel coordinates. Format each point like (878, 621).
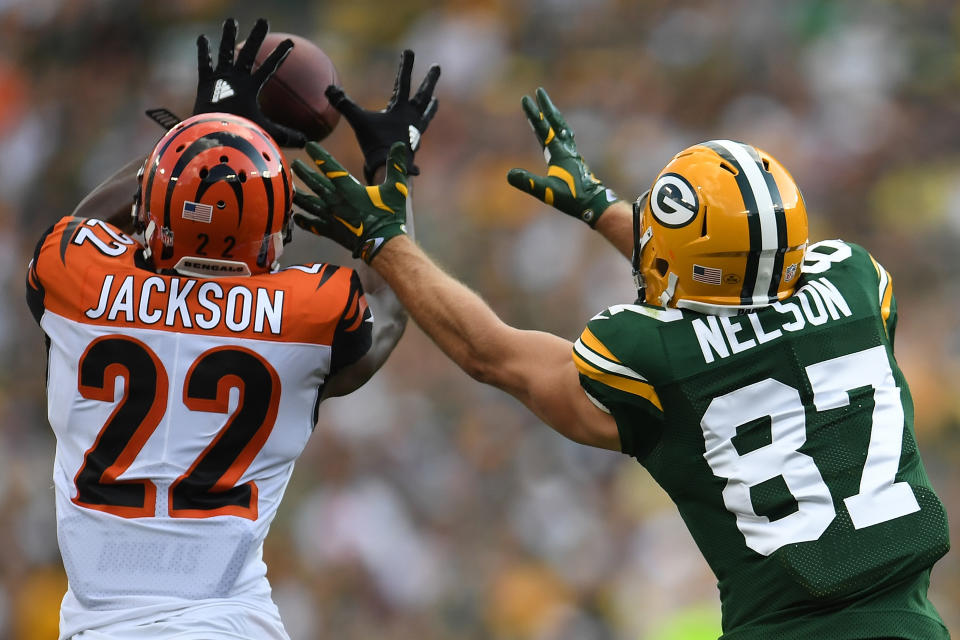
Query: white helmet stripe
(766, 214)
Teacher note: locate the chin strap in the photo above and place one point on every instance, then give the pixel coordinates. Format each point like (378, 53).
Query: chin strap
(147, 237)
(638, 280)
(667, 294)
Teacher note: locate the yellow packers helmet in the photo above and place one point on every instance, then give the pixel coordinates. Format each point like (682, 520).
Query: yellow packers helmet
(722, 230)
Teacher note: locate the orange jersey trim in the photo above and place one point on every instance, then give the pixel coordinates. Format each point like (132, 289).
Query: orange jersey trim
(90, 275)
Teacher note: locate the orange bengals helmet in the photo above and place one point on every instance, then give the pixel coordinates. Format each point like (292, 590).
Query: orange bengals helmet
(215, 198)
(722, 230)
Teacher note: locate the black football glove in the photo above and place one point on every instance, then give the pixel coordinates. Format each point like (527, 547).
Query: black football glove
(362, 219)
(569, 185)
(403, 120)
(233, 86)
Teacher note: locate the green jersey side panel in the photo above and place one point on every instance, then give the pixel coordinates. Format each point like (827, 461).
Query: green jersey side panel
(785, 437)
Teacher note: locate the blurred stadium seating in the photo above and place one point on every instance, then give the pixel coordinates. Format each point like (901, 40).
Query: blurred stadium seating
(426, 506)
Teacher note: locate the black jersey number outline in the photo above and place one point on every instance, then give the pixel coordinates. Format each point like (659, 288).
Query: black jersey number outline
(208, 488)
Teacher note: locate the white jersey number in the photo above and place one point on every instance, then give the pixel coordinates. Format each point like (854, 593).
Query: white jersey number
(880, 498)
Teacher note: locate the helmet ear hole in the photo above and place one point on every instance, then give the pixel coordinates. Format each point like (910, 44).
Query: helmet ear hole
(661, 266)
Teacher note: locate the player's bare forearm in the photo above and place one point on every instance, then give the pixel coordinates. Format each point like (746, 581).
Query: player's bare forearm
(111, 200)
(455, 317)
(533, 366)
(616, 225)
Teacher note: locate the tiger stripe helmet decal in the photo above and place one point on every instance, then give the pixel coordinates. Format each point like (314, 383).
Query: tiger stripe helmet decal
(215, 198)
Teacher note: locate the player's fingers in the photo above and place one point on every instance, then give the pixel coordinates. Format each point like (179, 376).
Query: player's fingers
(521, 179)
(310, 203)
(204, 64)
(535, 185)
(313, 177)
(540, 126)
(397, 166)
(342, 103)
(551, 114)
(228, 41)
(326, 163)
(401, 86)
(313, 224)
(425, 93)
(428, 114)
(248, 52)
(273, 61)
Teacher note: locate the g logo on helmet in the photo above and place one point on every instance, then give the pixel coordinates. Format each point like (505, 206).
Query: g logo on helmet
(673, 201)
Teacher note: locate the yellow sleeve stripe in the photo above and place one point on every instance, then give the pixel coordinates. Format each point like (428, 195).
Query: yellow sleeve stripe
(374, 194)
(885, 290)
(635, 387)
(594, 343)
(887, 300)
(603, 363)
(559, 172)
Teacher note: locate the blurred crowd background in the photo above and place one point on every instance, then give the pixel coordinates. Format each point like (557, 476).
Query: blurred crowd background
(427, 506)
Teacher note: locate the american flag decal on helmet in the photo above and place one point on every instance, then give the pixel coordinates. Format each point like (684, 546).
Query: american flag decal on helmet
(197, 212)
(708, 275)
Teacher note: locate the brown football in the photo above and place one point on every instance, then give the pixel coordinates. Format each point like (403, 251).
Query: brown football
(294, 94)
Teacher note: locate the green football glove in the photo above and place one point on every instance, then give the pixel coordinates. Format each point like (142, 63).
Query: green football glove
(569, 185)
(360, 218)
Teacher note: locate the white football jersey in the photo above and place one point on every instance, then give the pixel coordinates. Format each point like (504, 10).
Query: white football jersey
(179, 407)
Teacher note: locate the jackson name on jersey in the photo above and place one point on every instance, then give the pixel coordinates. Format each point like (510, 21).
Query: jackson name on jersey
(785, 438)
(179, 406)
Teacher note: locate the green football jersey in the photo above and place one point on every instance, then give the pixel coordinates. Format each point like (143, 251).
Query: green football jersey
(785, 438)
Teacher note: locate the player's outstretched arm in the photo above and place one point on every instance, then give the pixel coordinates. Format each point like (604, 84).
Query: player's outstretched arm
(535, 367)
(569, 185)
(111, 200)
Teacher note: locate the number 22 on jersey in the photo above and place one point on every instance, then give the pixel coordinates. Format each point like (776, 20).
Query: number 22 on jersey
(209, 487)
(879, 499)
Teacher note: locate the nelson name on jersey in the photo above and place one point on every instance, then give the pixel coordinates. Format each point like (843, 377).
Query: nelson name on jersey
(815, 303)
(185, 303)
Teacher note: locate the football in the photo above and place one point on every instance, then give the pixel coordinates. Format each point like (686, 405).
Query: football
(294, 94)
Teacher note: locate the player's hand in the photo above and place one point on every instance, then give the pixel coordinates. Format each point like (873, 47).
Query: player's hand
(362, 219)
(233, 87)
(569, 185)
(404, 119)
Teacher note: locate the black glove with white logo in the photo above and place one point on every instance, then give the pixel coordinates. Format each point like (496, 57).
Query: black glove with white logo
(403, 120)
(233, 86)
